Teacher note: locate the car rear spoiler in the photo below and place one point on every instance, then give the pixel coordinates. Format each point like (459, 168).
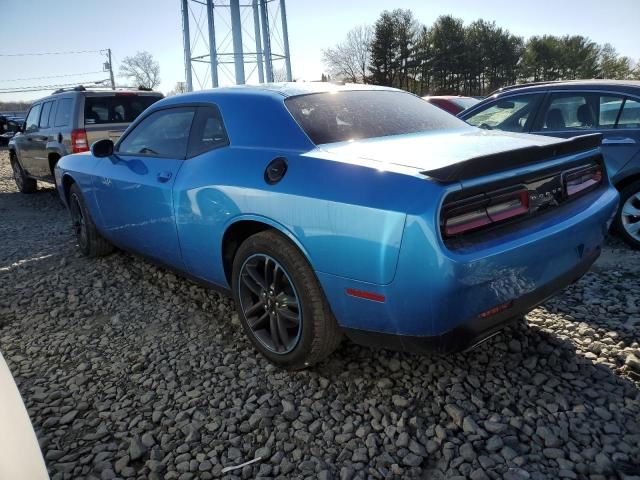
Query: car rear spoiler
(497, 162)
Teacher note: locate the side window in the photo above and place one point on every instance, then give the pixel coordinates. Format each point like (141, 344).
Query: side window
(33, 118)
(609, 110)
(44, 115)
(208, 131)
(96, 110)
(512, 114)
(164, 133)
(63, 114)
(570, 111)
(630, 116)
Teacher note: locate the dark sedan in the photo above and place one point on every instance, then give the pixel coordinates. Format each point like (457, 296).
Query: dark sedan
(566, 109)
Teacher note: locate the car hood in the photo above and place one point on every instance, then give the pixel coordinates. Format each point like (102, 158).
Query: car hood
(434, 150)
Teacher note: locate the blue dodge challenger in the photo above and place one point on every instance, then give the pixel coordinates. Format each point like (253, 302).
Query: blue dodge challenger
(330, 210)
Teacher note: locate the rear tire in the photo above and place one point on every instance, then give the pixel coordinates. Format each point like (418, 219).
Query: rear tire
(627, 221)
(286, 298)
(24, 183)
(91, 243)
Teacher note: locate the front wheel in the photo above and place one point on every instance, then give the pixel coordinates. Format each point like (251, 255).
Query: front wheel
(24, 183)
(91, 243)
(628, 217)
(280, 303)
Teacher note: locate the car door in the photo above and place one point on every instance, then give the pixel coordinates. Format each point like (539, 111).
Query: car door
(133, 187)
(24, 142)
(512, 113)
(570, 113)
(624, 141)
(39, 142)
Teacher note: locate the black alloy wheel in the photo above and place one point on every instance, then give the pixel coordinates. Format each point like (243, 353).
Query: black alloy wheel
(270, 304)
(78, 222)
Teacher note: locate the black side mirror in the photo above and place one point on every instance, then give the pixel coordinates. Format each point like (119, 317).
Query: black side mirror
(102, 148)
(505, 104)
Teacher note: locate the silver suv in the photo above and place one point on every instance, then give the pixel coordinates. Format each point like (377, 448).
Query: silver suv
(69, 121)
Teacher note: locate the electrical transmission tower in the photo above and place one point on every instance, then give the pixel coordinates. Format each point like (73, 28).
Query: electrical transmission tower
(233, 42)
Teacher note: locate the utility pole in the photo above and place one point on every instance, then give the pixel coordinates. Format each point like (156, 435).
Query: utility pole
(113, 83)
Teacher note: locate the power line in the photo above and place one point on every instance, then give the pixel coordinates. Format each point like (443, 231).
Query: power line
(48, 53)
(51, 76)
(50, 87)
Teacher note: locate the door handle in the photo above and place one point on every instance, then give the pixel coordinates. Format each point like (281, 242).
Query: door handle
(164, 177)
(618, 141)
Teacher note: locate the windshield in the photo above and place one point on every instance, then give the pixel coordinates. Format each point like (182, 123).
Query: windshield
(354, 115)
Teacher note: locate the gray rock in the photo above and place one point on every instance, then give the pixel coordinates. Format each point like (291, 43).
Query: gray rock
(148, 440)
(412, 460)
(516, 474)
(136, 449)
(553, 453)
(633, 362)
(399, 401)
(469, 425)
(289, 410)
(495, 427)
(68, 417)
(467, 452)
(478, 474)
(494, 444)
(456, 413)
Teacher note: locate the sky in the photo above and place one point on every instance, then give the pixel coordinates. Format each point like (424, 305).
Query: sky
(128, 26)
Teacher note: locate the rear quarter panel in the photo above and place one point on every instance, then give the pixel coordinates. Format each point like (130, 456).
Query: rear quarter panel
(347, 219)
(79, 167)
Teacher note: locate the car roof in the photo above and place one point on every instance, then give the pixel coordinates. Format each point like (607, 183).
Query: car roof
(619, 85)
(284, 89)
(65, 93)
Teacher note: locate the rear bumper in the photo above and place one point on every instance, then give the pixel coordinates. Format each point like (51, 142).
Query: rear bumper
(439, 297)
(475, 330)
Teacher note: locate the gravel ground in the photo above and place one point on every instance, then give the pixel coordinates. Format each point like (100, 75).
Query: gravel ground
(131, 372)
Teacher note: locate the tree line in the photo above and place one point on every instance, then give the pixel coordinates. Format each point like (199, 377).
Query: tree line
(449, 57)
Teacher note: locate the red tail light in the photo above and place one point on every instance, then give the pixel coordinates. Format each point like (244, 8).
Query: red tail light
(486, 210)
(584, 179)
(79, 141)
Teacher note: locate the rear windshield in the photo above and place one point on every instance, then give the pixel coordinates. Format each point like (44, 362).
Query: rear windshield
(116, 108)
(353, 115)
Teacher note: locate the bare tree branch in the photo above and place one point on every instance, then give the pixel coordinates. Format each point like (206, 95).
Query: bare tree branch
(180, 87)
(349, 60)
(142, 68)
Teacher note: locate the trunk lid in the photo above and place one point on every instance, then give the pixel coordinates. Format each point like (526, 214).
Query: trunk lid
(461, 153)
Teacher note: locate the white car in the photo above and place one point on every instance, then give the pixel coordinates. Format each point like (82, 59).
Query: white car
(20, 456)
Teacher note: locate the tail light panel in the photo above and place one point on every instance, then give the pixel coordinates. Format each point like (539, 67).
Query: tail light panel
(485, 210)
(582, 180)
(79, 141)
(491, 208)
